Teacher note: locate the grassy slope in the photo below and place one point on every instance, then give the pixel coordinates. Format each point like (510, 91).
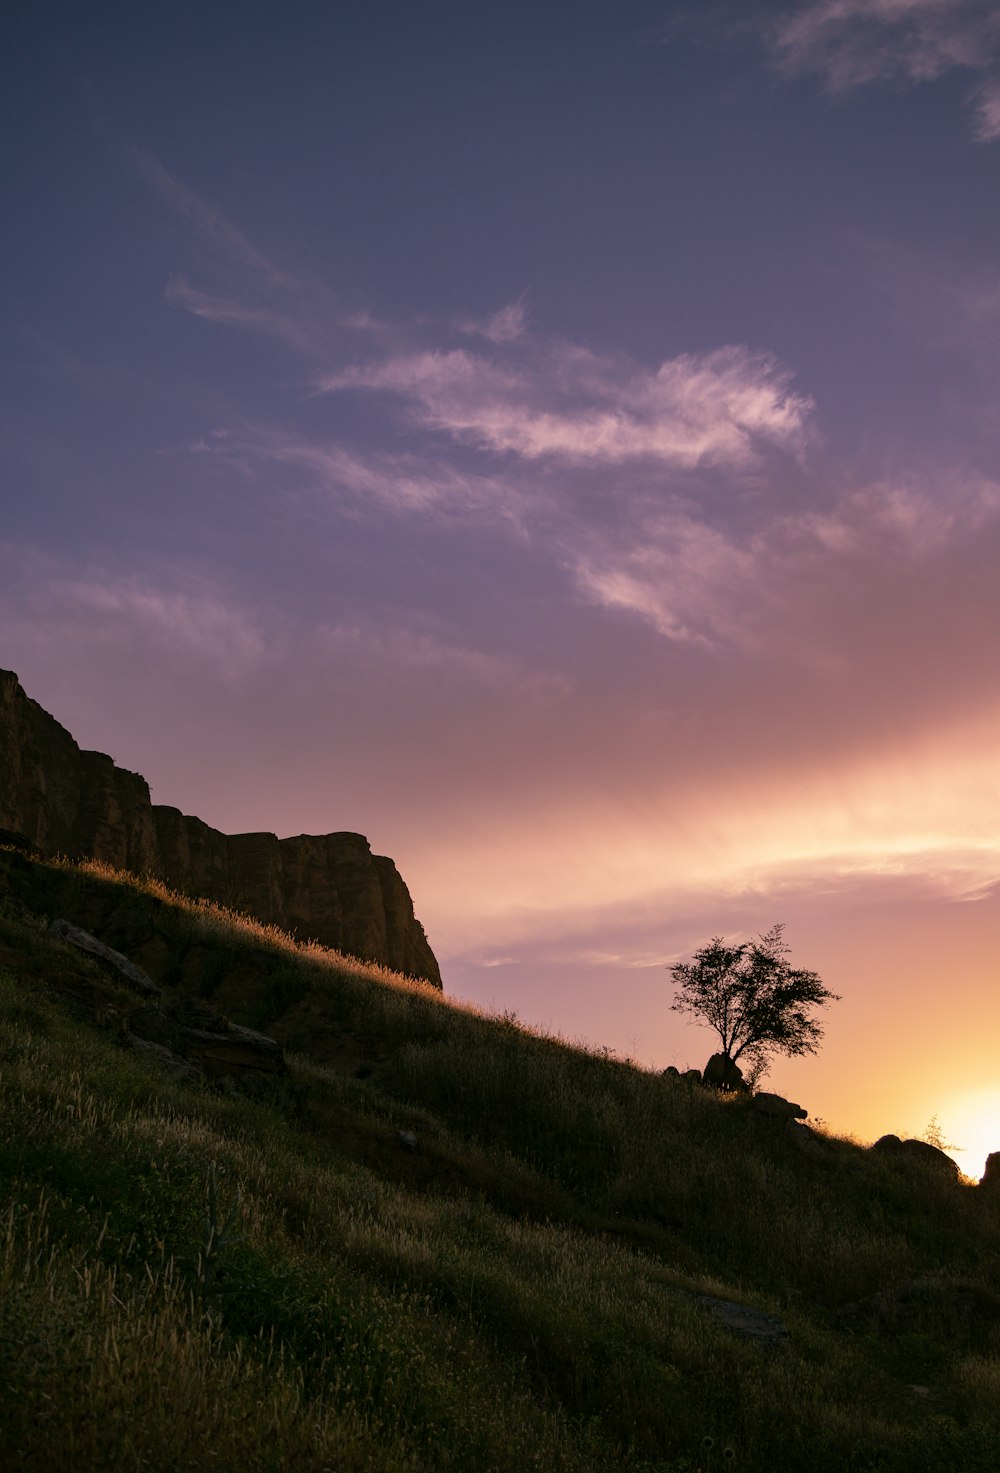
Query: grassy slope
(506, 1296)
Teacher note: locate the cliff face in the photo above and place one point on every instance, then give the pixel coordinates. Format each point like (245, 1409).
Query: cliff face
(325, 886)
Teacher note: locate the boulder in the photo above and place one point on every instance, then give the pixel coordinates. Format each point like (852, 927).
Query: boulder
(179, 1068)
(211, 1043)
(229, 1049)
(806, 1140)
(991, 1173)
(63, 930)
(742, 1319)
(915, 1152)
(693, 1076)
(671, 1072)
(723, 1074)
(777, 1108)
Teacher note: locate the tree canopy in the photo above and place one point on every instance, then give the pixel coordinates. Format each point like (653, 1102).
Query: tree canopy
(757, 1003)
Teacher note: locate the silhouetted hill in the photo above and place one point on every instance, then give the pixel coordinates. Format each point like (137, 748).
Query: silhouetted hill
(77, 803)
(426, 1239)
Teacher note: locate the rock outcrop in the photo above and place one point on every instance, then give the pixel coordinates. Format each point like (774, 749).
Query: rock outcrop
(777, 1107)
(917, 1152)
(212, 1044)
(742, 1319)
(129, 973)
(327, 887)
(806, 1140)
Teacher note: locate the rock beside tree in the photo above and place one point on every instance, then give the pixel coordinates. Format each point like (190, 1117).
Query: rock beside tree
(721, 1072)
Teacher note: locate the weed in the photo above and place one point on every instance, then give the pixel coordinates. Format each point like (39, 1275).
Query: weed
(217, 1239)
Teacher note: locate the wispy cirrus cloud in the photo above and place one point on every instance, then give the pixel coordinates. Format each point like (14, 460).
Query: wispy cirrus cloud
(229, 311)
(699, 515)
(195, 622)
(852, 43)
(545, 422)
(987, 105)
(656, 555)
(427, 651)
(683, 494)
(238, 285)
(567, 403)
(775, 582)
(210, 222)
(694, 583)
(361, 480)
(502, 326)
(49, 603)
(904, 516)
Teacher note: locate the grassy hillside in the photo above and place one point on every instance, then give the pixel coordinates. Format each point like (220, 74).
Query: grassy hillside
(441, 1242)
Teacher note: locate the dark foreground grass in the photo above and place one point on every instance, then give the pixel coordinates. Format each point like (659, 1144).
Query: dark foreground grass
(191, 1279)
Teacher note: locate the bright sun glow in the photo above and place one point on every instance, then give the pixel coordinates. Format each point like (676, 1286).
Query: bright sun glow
(972, 1122)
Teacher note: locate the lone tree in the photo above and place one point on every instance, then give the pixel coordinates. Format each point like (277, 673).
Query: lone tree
(757, 1003)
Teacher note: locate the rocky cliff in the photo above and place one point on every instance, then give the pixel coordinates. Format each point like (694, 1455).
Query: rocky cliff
(324, 886)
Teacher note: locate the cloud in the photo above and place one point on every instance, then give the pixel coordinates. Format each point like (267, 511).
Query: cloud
(745, 556)
(688, 495)
(635, 960)
(430, 653)
(238, 285)
(231, 312)
(987, 104)
(197, 623)
(50, 604)
(503, 326)
(772, 583)
(625, 549)
(852, 43)
(358, 481)
(690, 581)
(568, 404)
(917, 815)
(911, 517)
(209, 221)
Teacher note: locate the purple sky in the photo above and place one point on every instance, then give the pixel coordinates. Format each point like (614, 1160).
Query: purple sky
(560, 441)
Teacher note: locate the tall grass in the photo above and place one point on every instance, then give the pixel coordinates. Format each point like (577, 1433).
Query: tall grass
(192, 1279)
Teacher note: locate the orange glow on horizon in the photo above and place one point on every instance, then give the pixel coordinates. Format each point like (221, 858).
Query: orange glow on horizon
(929, 815)
(970, 1124)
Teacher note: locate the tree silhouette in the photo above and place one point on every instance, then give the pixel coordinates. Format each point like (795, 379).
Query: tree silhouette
(757, 1003)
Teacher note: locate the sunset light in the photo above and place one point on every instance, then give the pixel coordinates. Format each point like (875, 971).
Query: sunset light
(562, 449)
(970, 1123)
(500, 736)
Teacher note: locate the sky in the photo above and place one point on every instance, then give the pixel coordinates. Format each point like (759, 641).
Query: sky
(559, 440)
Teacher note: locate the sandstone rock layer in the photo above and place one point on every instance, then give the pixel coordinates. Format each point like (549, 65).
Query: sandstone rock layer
(327, 887)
